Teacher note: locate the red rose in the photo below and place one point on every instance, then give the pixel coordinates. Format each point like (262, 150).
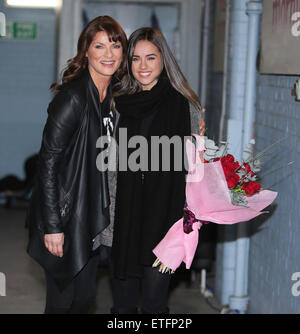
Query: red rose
(230, 167)
(248, 168)
(256, 186)
(227, 165)
(251, 188)
(233, 180)
(229, 162)
(228, 158)
(227, 170)
(236, 166)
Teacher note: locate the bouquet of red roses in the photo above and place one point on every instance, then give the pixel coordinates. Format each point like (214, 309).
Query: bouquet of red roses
(220, 190)
(241, 178)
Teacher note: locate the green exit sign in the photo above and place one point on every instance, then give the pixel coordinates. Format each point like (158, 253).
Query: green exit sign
(21, 30)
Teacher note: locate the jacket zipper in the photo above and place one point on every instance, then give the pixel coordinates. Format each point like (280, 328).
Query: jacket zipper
(143, 178)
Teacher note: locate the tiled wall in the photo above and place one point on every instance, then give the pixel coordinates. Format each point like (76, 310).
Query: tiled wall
(27, 68)
(274, 245)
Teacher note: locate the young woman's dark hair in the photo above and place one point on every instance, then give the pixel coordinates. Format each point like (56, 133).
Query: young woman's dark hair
(130, 85)
(77, 64)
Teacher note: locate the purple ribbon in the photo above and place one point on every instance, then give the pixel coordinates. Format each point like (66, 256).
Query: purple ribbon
(189, 219)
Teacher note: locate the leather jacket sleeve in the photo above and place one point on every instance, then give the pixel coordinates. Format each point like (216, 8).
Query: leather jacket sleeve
(62, 122)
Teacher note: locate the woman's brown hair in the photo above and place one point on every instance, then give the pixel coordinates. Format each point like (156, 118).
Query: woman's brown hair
(130, 85)
(77, 64)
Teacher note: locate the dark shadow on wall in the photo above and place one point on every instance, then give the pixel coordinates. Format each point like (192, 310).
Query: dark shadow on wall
(227, 233)
(15, 191)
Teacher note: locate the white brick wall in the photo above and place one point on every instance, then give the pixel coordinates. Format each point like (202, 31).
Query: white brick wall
(274, 247)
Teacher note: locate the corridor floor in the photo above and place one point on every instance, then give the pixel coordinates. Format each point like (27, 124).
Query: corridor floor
(25, 284)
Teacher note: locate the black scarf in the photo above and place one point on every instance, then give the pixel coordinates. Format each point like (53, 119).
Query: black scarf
(148, 203)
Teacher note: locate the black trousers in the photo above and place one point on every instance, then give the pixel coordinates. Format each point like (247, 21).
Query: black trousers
(78, 296)
(152, 289)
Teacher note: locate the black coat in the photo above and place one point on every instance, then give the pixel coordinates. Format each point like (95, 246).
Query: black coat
(70, 194)
(148, 203)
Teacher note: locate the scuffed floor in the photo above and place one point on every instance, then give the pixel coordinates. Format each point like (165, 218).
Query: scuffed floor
(25, 283)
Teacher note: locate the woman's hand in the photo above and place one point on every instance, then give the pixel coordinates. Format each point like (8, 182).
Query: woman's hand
(202, 124)
(54, 243)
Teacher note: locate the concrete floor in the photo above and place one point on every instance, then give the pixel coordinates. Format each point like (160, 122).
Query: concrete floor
(25, 283)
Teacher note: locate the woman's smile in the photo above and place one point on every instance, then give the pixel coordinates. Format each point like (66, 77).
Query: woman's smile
(145, 74)
(108, 63)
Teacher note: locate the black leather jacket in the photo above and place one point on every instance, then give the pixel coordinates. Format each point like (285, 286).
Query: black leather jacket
(70, 194)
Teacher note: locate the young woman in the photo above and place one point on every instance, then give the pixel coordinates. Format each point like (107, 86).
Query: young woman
(148, 203)
(69, 214)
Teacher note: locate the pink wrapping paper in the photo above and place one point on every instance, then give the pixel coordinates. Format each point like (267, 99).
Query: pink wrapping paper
(208, 197)
(178, 246)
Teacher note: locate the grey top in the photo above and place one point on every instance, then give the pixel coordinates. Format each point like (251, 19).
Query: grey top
(106, 236)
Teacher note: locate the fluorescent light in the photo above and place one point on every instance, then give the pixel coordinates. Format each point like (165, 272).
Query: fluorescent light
(33, 3)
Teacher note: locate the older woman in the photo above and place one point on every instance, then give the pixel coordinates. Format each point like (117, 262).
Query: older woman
(69, 213)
